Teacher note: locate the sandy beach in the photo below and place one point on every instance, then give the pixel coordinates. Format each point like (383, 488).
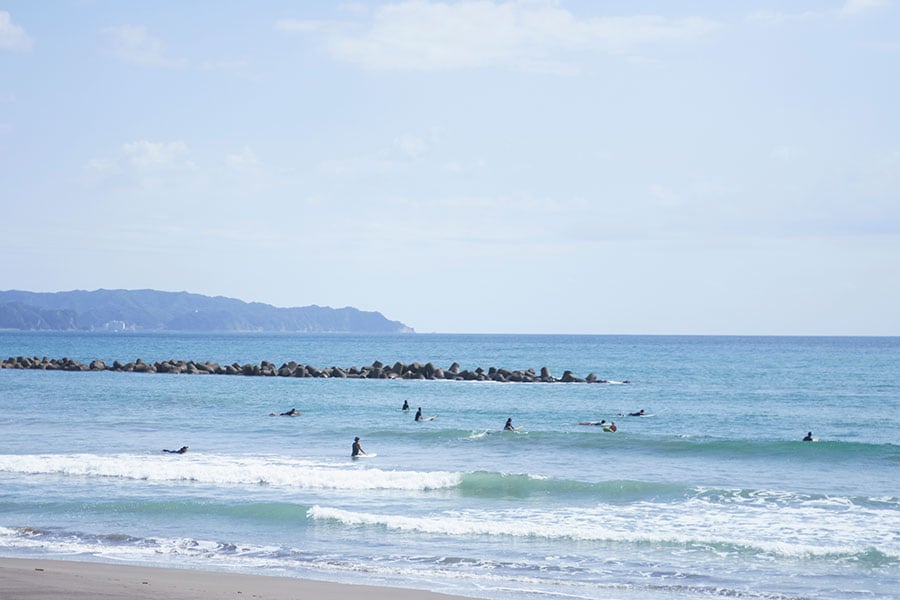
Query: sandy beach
(31, 579)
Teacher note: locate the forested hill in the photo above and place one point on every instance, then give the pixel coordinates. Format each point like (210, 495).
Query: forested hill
(152, 310)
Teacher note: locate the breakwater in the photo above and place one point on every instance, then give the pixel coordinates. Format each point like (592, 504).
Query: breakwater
(377, 370)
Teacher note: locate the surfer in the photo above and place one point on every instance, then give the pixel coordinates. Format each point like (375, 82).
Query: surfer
(509, 425)
(808, 437)
(291, 413)
(612, 427)
(639, 413)
(405, 405)
(418, 416)
(181, 450)
(357, 449)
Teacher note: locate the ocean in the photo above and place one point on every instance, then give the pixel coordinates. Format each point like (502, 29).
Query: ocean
(714, 495)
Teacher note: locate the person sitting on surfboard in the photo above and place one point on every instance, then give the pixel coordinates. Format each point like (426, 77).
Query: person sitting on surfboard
(357, 449)
(405, 405)
(808, 437)
(612, 427)
(509, 425)
(181, 450)
(418, 416)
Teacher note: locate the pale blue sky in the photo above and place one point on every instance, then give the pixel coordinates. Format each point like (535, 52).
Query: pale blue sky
(698, 167)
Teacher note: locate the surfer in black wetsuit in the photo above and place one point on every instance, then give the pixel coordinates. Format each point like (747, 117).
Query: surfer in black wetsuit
(808, 437)
(639, 413)
(181, 450)
(509, 425)
(357, 449)
(405, 405)
(291, 413)
(418, 416)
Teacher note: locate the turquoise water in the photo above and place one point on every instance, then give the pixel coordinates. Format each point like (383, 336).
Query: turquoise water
(715, 495)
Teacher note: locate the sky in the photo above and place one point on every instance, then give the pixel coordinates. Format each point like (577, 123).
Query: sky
(535, 166)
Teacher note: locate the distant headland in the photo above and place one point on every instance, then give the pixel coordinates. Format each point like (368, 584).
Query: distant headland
(153, 310)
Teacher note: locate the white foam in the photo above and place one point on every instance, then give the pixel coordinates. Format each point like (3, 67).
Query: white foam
(228, 470)
(754, 526)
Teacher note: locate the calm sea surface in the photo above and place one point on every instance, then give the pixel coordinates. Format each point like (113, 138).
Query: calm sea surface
(712, 496)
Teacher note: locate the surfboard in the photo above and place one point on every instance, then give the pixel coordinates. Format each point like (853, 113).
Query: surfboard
(369, 455)
(431, 418)
(513, 430)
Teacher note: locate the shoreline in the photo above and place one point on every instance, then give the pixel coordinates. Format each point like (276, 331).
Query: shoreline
(49, 579)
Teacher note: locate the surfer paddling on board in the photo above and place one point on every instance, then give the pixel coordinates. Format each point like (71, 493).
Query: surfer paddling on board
(181, 450)
(357, 449)
(291, 413)
(639, 413)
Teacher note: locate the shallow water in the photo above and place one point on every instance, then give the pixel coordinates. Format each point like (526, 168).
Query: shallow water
(713, 496)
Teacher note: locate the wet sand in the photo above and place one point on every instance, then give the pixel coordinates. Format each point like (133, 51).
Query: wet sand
(37, 579)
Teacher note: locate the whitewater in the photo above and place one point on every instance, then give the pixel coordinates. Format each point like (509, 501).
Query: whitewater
(713, 496)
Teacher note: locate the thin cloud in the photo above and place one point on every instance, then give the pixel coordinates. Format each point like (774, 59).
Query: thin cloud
(855, 7)
(12, 36)
(244, 161)
(783, 18)
(168, 156)
(134, 44)
(418, 35)
(357, 167)
(310, 26)
(144, 161)
(850, 8)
